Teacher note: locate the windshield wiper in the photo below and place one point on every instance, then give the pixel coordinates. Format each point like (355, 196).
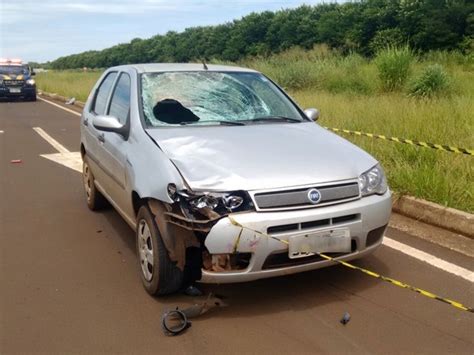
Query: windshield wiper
(230, 123)
(221, 122)
(275, 118)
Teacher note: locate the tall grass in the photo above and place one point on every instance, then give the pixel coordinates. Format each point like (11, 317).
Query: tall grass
(432, 81)
(350, 94)
(318, 69)
(68, 83)
(393, 65)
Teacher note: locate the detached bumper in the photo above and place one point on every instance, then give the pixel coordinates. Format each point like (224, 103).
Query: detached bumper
(366, 220)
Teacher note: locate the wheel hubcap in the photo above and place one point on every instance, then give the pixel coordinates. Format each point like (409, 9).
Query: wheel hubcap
(145, 250)
(87, 181)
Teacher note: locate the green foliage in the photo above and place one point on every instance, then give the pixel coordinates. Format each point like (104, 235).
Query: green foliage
(363, 26)
(390, 37)
(393, 66)
(432, 81)
(70, 83)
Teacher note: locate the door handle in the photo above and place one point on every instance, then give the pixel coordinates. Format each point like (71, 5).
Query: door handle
(101, 138)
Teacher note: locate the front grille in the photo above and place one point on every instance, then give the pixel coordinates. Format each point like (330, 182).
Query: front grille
(13, 82)
(294, 227)
(298, 198)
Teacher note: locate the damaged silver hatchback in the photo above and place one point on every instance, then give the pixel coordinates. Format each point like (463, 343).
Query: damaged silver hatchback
(223, 177)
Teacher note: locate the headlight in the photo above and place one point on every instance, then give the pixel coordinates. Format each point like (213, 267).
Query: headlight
(220, 202)
(373, 182)
(229, 201)
(31, 82)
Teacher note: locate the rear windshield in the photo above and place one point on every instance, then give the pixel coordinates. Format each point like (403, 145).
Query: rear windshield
(13, 69)
(199, 98)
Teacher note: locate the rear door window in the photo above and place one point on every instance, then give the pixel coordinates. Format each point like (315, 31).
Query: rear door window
(103, 92)
(120, 102)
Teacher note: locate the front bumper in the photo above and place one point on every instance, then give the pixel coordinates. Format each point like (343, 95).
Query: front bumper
(361, 217)
(23, 91)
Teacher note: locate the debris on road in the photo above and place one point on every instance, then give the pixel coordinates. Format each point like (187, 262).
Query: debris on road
(192, 291)
(71, 101)
(345, 318)
(174, 322)
(16, 161)
(177, 321)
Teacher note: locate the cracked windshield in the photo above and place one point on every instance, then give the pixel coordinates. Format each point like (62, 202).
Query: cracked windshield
(212, 98)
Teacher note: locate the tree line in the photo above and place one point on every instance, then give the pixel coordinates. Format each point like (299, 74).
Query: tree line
(363, 27)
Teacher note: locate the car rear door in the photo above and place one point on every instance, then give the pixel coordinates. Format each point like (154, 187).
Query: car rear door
(92, 137)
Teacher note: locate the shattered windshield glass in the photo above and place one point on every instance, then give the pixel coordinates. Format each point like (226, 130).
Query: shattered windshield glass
(172, 98)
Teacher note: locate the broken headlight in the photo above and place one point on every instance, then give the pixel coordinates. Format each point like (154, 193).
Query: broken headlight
(373, 181)
(219, 202)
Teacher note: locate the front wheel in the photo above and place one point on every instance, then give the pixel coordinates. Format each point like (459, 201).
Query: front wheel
(160, 276)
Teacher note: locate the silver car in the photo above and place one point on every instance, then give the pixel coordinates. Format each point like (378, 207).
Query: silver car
(223, 177)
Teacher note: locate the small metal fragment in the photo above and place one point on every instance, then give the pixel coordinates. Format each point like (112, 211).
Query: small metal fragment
(345, 318)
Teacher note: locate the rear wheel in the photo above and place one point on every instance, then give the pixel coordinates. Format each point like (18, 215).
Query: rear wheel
(95, 200)
(160, 276)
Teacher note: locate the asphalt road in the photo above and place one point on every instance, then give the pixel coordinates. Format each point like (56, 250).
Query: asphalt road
(69, 280)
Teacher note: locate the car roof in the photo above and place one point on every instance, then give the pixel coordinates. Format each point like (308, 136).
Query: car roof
(167, 67)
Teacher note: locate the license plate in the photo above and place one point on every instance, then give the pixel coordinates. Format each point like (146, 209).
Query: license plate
(327, 241)
(15, 90)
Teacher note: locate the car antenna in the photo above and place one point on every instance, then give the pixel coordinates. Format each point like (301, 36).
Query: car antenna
(204, 65)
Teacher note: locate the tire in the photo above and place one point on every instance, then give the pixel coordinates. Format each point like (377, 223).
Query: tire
(33, 98)
(163, 276)
(95, 200)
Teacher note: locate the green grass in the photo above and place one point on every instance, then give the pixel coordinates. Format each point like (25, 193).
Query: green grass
(350, 94)
(68, 83)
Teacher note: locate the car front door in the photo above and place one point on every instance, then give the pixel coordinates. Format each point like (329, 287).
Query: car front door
(114, 146)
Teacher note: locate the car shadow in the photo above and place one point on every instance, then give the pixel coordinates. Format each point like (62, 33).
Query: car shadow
(14, 99)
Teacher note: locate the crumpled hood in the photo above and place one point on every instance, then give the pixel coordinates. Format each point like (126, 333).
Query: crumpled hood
(261, 156)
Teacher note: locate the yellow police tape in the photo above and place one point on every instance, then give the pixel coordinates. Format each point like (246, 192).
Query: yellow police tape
(365, 271)
(446, 148)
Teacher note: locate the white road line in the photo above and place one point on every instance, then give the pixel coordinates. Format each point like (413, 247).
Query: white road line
(430, 259)
(61, 107)
(58, 146)
(1, 132)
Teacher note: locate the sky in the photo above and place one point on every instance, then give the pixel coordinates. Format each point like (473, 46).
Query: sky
(42, 30)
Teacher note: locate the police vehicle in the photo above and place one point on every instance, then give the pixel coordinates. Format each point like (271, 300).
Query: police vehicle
(16, 80)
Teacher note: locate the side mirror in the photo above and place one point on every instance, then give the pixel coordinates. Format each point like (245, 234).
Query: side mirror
(108, 124)
(312, 113)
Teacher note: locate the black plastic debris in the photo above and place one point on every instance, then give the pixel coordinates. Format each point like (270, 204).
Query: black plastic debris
(176, 321)
(345, 318)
